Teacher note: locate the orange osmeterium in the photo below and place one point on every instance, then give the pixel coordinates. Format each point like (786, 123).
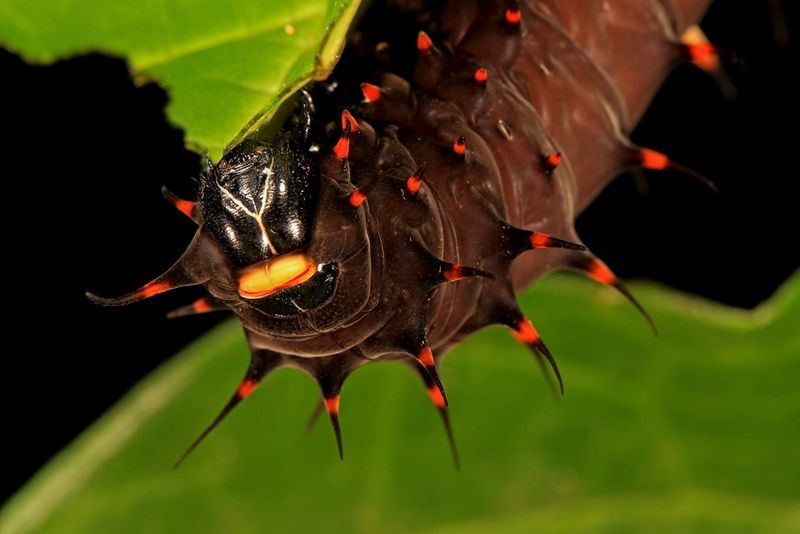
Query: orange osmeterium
(264, 278)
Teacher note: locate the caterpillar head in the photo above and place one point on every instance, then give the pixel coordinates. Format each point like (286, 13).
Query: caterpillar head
(292, 249)
(275, 241)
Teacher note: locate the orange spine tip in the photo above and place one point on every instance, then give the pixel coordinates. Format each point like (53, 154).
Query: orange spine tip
(540, 240)
(154, 288)
(600, 272)
(481, 75)
(436, 397)
(372, 93)
(357, 198)
(704, 55)
(424, 43)
(186, 207)
(201, 306)
(332, 405)
(460, 146)
(453, 273)
(342, 148)
(246, 388)
(513, 15)
(349, 123)
(413, 184)
(425, 357)
(552, 161)
(525, 332)
(650, 159)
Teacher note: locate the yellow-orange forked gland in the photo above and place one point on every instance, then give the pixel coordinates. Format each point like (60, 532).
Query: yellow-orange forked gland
(266, 277)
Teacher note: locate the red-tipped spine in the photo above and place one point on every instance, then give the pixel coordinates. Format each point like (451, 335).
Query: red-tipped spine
(656, 161)
(436, 397)
(425, 357)
(187, 207)
(257, 371)
(452, 272)
(357, 198)
(552, 161)
(342, 148)
(513, 15)
(704, 55)
(653, 160)
(455, 272)
(246, 388)
(523, 331)
(438, 400)
(201, 305)
(413, 184)
(332, 404)
(460, 146)
(372, 93)
(542, 240)
(332, 407)
(424, 43)
(154, 288)
(348, 119)
(598, 271)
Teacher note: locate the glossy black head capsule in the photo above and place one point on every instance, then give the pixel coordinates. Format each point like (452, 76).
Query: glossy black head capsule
(260, 200)
(259, 203)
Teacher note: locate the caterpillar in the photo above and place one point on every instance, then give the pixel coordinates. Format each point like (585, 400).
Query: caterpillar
(396, 208)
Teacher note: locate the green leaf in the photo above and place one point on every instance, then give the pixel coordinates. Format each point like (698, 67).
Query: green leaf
(225, 64)
(696, 430)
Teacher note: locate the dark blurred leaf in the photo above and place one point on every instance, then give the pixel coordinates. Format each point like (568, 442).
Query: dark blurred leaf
(222, 63)
(696, 430)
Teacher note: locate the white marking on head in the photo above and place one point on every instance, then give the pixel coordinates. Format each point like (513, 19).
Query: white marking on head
(252, 213)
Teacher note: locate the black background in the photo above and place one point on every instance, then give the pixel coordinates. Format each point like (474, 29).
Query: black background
(84, 154)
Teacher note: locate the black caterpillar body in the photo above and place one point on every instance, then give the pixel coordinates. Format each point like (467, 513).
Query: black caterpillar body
(394, 209)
